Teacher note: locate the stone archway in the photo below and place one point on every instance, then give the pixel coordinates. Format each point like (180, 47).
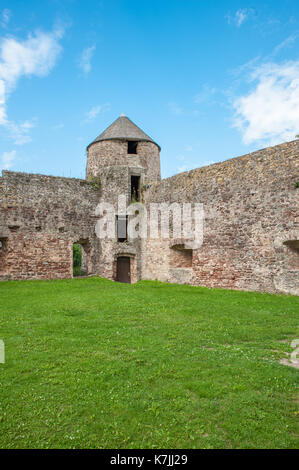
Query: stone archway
(82, 265)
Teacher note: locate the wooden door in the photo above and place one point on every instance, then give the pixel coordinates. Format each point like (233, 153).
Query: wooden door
(123, 269)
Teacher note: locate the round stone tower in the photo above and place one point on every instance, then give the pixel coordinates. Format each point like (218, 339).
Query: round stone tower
(124, 159)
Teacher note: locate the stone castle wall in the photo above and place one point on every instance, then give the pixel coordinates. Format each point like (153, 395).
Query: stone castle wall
(251, 210)
(250, 229)
(40, 219)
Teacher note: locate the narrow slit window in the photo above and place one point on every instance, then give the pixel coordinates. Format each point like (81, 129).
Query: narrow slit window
(135, 188)
(132, 147)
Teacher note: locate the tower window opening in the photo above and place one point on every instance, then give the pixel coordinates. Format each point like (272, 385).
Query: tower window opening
(122, 228)
(132, 147)
(135, 188)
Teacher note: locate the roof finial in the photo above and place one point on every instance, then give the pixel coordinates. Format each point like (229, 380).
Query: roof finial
(122, 115)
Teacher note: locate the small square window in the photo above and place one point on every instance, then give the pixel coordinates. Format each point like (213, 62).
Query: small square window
(132, 147)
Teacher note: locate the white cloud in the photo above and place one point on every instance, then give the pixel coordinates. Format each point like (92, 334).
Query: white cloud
(270, 112)
(95, 111)
(183, 168)
(5, 16)
(7, 159)
(175, 108)
(207, 163)
(85, 59)
(20, 132)
(34, 56)
(92, 114)
(205, 94)
(239, 17)
(58, 126)
(289, 41)
(192, 166)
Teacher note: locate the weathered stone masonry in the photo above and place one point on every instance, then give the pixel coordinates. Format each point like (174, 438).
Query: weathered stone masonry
(250, 230)
(40, 219)
(251, 212)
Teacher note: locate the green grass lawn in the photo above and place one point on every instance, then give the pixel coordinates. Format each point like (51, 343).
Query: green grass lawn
(97, 364)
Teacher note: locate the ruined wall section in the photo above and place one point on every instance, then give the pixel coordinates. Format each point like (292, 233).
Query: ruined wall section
(251, 210)
(40, 219)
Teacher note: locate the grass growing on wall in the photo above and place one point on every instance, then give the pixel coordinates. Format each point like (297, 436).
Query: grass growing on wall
(92, 363)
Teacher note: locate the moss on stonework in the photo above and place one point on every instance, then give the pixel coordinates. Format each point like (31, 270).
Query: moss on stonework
(96, 182)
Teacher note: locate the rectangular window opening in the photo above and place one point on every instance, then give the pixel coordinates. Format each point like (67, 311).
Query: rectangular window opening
(122, 228)
(135, 188)
(132, 147)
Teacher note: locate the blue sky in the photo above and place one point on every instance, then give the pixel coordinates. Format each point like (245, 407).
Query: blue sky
(207, 80)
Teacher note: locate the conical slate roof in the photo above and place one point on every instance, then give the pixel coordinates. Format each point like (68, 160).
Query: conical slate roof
(123, 129)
